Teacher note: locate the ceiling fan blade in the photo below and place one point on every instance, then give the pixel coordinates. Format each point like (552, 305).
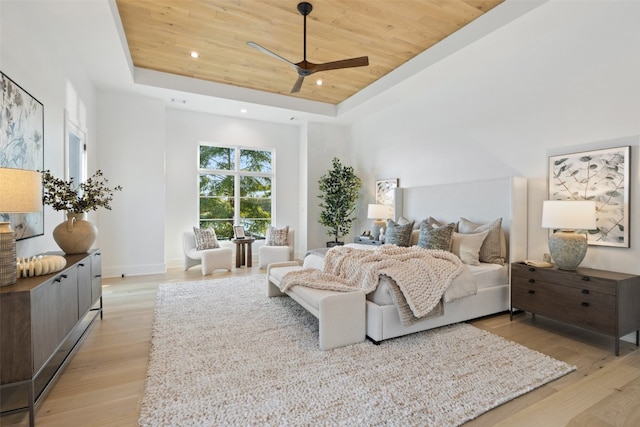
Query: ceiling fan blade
(272, 54)
(345, 63)
(298, 85)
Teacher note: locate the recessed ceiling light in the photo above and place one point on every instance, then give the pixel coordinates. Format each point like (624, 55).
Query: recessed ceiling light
(243, 110)
(319, 82)
(194, 54)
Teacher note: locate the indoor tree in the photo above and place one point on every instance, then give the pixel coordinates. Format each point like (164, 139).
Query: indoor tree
(339, 189)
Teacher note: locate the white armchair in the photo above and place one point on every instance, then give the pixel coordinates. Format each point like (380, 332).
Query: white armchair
(210, 259)
(271, 254)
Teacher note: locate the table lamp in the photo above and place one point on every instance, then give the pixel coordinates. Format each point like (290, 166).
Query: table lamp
(379, 213)
(20, 192)
(568, 247)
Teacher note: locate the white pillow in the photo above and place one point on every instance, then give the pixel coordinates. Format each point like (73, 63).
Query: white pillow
(494, 248)
(467, 246)
(205, 238)
(277, 236)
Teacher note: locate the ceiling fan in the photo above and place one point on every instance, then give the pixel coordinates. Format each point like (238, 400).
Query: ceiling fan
(305, 68)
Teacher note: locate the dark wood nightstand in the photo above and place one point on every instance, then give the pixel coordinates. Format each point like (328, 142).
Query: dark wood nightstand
(599, 300)
(366, 241)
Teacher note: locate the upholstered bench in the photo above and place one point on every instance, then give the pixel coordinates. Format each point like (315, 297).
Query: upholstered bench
(341, 315)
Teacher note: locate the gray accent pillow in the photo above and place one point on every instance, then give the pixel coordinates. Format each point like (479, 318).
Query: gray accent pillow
(493, 248)
(277, 236)
(205, 238)
(435, 238)
(397, 234)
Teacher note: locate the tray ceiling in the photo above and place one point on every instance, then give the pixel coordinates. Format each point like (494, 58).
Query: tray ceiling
(161, 34)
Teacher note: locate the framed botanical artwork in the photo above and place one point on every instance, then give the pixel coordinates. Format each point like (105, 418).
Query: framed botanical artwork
(384, 191)
(601, 176)
(238, 232)
(21, 146)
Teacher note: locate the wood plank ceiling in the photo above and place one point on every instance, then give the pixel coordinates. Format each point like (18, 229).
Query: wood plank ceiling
(161, 34)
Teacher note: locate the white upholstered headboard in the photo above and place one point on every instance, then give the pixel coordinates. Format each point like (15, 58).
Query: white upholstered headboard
(478, 201)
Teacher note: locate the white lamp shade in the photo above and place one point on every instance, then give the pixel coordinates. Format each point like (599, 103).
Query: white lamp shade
(569, 214)
(379, 211)
(20, 191)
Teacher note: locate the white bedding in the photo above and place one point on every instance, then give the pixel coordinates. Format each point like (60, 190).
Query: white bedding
(484, 276)
(479, 276)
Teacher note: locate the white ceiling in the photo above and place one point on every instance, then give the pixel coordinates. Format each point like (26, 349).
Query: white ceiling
(94, 33)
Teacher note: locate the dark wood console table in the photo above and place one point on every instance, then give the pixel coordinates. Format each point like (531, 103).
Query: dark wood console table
(42, 320)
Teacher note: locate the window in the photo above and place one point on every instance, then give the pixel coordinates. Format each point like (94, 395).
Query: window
(76, 155)
(235, 189)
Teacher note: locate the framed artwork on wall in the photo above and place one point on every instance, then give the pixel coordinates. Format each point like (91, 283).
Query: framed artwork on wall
(384, 191)
(601, 176)
(21, 146)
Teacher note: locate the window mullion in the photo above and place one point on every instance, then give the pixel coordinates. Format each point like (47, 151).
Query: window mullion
(236, 189)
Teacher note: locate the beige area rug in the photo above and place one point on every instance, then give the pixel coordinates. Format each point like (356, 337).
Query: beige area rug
(223, 353)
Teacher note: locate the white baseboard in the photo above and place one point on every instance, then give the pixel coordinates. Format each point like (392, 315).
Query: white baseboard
(133, 270)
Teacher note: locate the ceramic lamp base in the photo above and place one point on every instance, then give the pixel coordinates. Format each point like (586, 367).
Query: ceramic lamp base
(568, 249)
(8, 263)
(377, 226)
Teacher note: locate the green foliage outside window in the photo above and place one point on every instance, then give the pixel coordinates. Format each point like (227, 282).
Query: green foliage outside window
(218, 172)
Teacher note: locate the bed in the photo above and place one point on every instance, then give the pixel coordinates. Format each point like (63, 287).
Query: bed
(481, 202)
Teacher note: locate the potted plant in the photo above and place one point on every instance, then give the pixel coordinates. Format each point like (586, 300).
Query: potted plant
(339, 192)
(76, 235)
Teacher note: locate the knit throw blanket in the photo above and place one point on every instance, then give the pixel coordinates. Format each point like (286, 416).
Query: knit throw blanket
(422, 275)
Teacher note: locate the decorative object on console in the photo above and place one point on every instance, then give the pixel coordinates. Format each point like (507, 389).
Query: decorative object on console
(379, 213)
(601, 176)
(40, 265)
(76, 235)
(568, 247)
(20, 192)
(339, 190)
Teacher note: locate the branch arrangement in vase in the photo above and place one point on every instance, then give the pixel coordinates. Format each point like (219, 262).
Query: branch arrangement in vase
(68, 196)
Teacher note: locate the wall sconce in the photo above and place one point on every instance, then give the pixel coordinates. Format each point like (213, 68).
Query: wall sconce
(20, 192)
(568, 248)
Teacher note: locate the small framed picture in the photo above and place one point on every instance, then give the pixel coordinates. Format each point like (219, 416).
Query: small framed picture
(238, 232)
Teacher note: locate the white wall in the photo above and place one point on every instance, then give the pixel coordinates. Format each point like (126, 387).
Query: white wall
(563, 78)
(324, 143)
(35, 55)
(185, 130)
(131, 153)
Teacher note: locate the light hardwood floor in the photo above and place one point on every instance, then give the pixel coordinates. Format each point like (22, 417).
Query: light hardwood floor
(104, 382)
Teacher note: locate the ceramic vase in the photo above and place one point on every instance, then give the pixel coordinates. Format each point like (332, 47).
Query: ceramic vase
(76, 234)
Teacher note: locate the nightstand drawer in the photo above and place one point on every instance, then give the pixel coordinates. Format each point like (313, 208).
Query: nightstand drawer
(600, 300)
(572, 279)
(590, 309)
